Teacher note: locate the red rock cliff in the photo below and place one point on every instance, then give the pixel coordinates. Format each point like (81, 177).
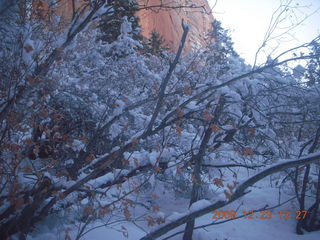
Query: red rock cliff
(167, 22)
(155, 15)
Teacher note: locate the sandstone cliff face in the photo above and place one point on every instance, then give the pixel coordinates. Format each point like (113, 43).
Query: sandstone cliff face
(167, 22)
(155, 15)
(64, 9)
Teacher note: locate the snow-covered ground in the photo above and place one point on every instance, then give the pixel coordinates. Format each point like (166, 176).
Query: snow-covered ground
(249, 229)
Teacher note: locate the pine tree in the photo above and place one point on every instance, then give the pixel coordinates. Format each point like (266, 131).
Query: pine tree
(156, 44)
(223, 44)
(313, 67)
(221, 50)
(110, 23)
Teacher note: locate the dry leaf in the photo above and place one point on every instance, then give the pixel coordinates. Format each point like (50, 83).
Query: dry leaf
(230, 187)
(125, 232)
(103, 211)
(125, 162)
(179, 169)
(27, 169)
(127, 213)
(179, 131)
(157, 169)
(90, 158)
(207, 115)
(28, 142)
(32, 80)
(88, 210)
(247, 151)
(193, 179)
(154, 195)
(155, 208)
(28, 48)
(136, 162)
(150, 221)
(180, 113)
(218, 182)
(160, 220)
(187, 91)
(251, 131)
(214, 128)
(18, 203)
(227, 194)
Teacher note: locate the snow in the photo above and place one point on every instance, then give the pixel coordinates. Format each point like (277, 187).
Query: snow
(77, 145)
(239, 229)
(174, 216)
(101, 180)
(97, 82)
(199, 205)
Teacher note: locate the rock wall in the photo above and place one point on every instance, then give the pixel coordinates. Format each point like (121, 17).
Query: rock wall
(163, 16)
(167, 22)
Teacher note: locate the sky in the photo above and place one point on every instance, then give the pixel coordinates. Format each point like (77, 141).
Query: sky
(248, 21)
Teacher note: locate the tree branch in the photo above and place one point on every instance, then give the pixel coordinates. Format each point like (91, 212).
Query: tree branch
(167, 78)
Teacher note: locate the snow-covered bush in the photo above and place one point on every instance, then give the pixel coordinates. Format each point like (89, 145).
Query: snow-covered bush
(80, 137)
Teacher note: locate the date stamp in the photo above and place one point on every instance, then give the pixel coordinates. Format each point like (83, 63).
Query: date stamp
(267, 214)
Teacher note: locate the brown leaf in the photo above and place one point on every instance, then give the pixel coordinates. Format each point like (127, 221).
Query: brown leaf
(187, 91)
(125, 162)
(18, 203)
(154, 195)
(135, 140)
(193, 179)
(126, 126)
(150, 221)
(179, 111)
(124, 232)
(36, 149)
(155, 209)
(251, 131)
(61, 195)
(27, 169)
(88, 210)
(90, 158)
(230, 187)
(179, 131)
(28, 141)
(67, 236)
(207, 115)
(32, 80)
(28, 48)
(227, 194)
(160, 220)
(218, 182)
(247, 151)
(125, 99)
(127, 213)
(179, 169)
(13, 147)
(103, 211)
(136, 162)
(157, 169)
(214, 128)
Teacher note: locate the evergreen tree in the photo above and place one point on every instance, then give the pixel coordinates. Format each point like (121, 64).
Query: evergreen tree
(110, 23)
(313, 67)
(221, 50)
(156, 44)
(223, 45)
